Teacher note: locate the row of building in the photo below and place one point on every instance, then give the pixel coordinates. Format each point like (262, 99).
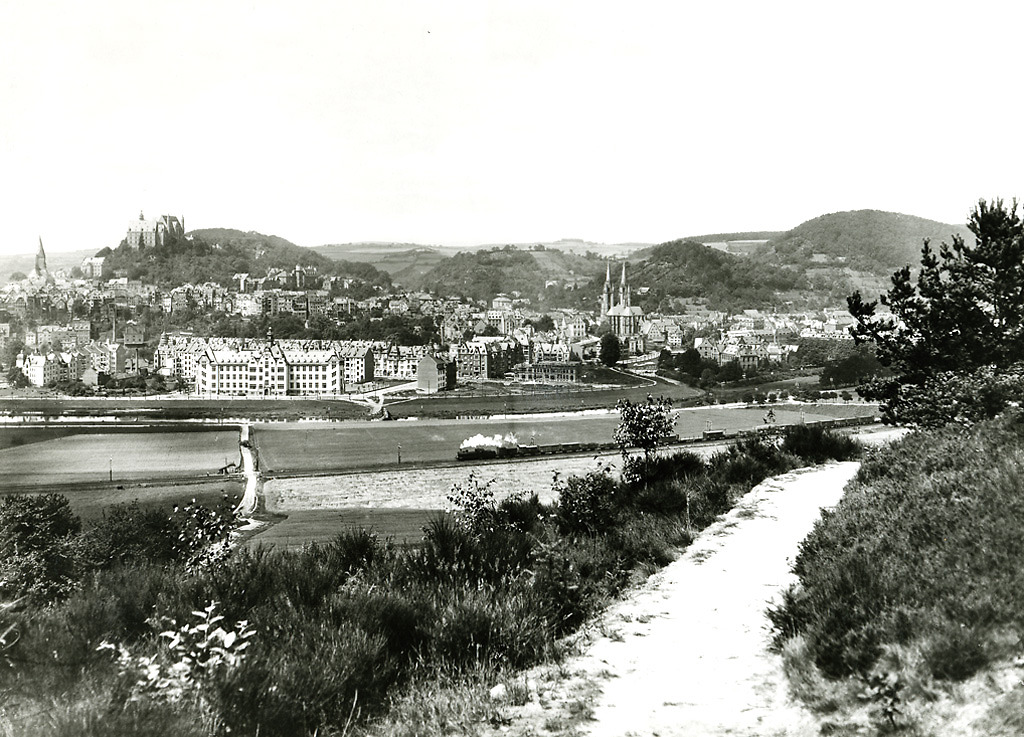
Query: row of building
(83, 363)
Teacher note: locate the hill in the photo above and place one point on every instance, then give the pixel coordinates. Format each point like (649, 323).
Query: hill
(216, 254)
(549, 275)
(578, 246)
(681, 271)
(753, 235)
(407, 263)
(867, 240)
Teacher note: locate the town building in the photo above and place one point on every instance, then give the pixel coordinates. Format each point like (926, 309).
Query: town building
(548, 372)
(435, 374)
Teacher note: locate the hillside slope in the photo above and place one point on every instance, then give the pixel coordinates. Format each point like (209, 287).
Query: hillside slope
(482, 274)
(216, 254)
(869, 240)
(686, 270)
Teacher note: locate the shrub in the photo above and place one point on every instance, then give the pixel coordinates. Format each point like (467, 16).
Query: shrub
(586, 504)
(571, 580)
(955, 652)
(924, 548)
(129, 533)
(473, 505)
(310, 677)
(815, 444)
(750, 460)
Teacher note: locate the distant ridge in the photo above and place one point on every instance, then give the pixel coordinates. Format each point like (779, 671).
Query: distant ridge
(753, 235)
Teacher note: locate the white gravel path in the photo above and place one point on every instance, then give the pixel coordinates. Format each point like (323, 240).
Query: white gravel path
(687, 653)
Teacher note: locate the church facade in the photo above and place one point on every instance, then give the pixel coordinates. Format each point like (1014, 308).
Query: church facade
(624, 319)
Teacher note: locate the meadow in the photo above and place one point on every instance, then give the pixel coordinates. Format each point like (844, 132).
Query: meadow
(51, 459)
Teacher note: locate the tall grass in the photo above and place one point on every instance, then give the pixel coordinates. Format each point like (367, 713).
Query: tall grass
(343, 628)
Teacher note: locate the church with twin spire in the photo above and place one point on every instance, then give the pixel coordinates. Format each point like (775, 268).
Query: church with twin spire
(623, 318)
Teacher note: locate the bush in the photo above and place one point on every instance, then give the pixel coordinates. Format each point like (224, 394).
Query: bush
(900, 559)
(586, 504)
(815, 444)
(310, 677)
(955, 652)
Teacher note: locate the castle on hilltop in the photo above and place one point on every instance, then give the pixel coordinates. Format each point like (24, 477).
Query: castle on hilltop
(144, 233)
(623, 318)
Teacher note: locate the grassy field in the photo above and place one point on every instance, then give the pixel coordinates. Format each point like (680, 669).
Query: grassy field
(483, 399)
(105, 456)
(317, 448)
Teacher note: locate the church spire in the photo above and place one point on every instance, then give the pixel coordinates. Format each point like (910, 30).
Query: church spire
(41, 259)
(606, 297)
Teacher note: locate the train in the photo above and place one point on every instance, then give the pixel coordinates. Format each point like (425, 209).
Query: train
(504, 448)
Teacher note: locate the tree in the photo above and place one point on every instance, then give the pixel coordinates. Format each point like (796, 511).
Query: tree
(17, 378)
(18, 276)
(964, 315)
(544, 323)
(643, 425)
(36, 546)
(611, 351)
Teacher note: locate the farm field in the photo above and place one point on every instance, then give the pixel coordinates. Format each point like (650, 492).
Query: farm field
(396, 502)
(90, 501)
(130, 457)
(317, 447)
(303, 528)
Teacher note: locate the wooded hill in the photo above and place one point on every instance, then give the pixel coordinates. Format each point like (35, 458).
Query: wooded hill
(481, 275)
(688, 271)
(818, 263)
(216, 254)
(865, 240)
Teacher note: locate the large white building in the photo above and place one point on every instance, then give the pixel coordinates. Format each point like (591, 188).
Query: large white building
(268, 370)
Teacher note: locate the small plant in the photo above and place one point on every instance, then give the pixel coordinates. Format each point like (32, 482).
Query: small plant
(474, 505)
(193, 655)
(9, 631)
(883, 690)
(644, 425)
(203, 532)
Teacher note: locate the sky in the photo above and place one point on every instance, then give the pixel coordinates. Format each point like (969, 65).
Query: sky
(459, 123)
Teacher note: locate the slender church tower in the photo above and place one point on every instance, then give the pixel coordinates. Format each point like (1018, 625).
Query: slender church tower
(41, 259)
(624, 300)
(607, 300)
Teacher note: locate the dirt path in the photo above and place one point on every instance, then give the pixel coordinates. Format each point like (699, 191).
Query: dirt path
(687, 653)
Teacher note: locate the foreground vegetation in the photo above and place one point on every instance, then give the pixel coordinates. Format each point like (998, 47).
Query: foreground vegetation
(913, 585)
(172, 640)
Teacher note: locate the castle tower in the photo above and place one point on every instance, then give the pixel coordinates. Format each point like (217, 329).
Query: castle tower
(41, 259)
